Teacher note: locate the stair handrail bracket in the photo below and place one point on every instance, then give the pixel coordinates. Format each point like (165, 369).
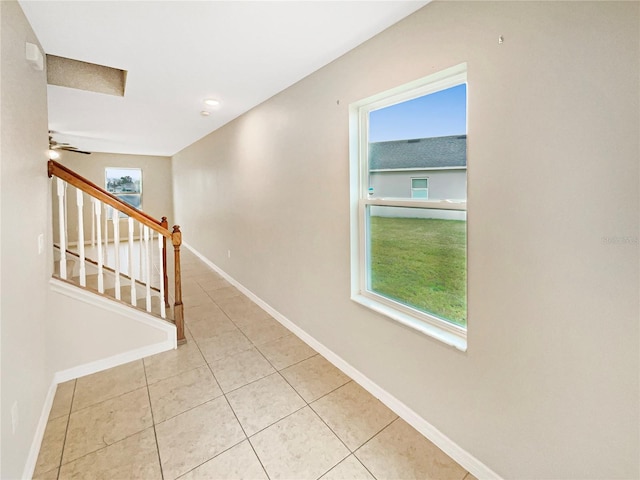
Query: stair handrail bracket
(153, 234)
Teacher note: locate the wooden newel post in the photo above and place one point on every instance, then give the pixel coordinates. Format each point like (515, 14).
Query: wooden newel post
(165, 224)
(176, 239)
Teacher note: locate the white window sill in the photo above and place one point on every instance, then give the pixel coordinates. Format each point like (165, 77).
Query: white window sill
(447, 336)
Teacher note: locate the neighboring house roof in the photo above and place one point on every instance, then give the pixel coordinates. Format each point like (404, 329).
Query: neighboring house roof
(436, 152)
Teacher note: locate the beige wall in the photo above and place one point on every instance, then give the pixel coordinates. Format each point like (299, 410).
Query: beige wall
(24, 209)
(157, 197)
(94, 333)
(549, 386)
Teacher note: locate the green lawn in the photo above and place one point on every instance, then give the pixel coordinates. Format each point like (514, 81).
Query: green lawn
(421, 263)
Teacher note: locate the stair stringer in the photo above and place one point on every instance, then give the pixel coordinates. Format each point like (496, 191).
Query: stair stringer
(89, 333)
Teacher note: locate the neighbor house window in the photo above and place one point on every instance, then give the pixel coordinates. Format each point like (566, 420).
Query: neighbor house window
(419, 188)
(409, 251)
(126, 184)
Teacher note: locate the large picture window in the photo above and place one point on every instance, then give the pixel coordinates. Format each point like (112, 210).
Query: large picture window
(126, 184)
(408, 192)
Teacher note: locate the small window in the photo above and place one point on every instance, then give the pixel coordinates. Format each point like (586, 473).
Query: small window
(420, 188)
(126, 184)
(409, 249)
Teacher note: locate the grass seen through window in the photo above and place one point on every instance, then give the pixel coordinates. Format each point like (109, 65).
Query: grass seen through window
(421, 262)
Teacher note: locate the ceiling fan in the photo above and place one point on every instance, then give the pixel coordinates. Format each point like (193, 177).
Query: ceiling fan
(53, 146)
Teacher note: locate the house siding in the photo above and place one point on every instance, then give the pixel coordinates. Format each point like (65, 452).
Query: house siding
(443, 184)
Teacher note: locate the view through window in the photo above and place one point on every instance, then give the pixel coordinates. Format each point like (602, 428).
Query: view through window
(126, 184)
(412, 239)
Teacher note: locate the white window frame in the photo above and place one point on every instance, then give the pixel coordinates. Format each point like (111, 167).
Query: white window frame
(419, 189)
(431, 325)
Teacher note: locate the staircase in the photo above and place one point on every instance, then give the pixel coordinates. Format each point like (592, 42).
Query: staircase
(125, 258)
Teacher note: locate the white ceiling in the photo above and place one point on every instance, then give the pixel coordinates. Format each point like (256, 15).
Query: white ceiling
(177, 53)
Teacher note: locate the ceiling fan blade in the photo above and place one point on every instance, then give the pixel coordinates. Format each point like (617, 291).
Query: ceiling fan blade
(54, 145)
(73, 149)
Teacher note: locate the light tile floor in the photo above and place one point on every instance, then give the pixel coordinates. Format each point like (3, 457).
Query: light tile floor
(243, 399)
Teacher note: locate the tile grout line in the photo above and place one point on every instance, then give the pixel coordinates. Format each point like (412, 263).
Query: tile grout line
(226, 300)
(225, 396)
(363, 465)
(307, 404)
(153, 421)
(246, 436)
(334, 434)
(106, 445)
(209, 459)
(66, 430)
(279, 372)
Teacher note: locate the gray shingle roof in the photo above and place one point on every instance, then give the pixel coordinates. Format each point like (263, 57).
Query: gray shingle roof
(436, 152)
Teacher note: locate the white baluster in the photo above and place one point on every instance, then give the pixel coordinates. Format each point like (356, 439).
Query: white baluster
(62, 228)
(66, 216)
(163, 312)
(116, 248)
(83, 271)
(93, 229)
(98, 208)
(141, 251)
(130, 266)
(106, 234)
(147, 267)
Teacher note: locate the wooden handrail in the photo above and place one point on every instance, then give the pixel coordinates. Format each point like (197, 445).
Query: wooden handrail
(90, 188)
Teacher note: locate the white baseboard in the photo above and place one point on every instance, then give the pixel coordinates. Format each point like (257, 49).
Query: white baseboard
(113, 361)
(98, 365)
(32, 459)
(92, 367)
(448, 446)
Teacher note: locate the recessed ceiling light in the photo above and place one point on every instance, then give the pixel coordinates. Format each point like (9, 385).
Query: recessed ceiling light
(204, 113)
(212, 102)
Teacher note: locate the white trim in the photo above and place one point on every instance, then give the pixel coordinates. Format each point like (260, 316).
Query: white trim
(77, 372)
(360, 194)
(121, 309)
(415, 169)
(34, 451)
(419, 189)
(125, 310)
(113, 361)
(448, 446)
(417, 203)
(432, 326)
(98, 365)
(447, 78)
